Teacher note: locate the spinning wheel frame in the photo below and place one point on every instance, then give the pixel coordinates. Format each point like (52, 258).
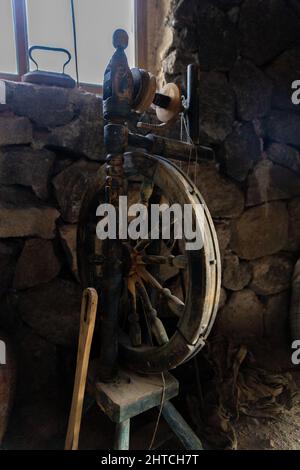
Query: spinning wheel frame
(126, 92)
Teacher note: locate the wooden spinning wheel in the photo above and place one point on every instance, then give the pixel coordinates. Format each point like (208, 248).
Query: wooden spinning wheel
(152, 268)
(159, 299)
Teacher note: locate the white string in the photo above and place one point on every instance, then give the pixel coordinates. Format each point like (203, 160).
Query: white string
(181, 135)
(196, 169)
(189, 141)
(163, 395)
(141, 119)
(162, 402)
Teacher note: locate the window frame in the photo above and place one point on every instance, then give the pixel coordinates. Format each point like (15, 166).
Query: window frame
(21, 41)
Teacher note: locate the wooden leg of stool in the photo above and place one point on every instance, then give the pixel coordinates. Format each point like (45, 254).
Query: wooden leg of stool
(180, 427)
(122, 435)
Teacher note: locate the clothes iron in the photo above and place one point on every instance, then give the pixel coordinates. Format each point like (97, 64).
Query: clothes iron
(42, 77)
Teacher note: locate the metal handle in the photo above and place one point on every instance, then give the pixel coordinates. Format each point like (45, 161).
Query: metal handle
(48, 48)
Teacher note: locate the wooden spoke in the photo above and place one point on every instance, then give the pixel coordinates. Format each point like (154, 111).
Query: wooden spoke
(182, 283)
(156, 325)
(146, 191)
(179, 262)
(98, 260)
(143, 244)
(174, 303)
(170, 244)
(135, 333)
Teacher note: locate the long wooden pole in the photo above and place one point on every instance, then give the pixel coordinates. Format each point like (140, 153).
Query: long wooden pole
(87, 325)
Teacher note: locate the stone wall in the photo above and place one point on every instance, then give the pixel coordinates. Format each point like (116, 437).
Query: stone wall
(249, 55)
(159, 34)
(50, 145)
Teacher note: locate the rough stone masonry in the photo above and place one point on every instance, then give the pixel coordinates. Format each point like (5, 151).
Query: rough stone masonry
(249, 55)
(50, 145)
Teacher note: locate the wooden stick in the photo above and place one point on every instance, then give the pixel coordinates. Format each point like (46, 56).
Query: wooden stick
(87, 325)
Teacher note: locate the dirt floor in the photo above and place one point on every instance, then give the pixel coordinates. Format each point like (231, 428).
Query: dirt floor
(282, 433)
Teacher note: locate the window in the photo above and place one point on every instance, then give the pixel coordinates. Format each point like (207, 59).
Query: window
(24, 23)
(8, 57)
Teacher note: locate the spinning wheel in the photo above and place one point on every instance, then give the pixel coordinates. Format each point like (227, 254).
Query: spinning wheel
(158, 298)
(170, 295)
